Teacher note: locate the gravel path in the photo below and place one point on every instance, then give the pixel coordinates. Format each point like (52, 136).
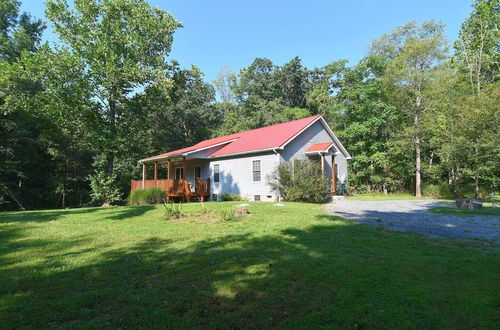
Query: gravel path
(414, 216)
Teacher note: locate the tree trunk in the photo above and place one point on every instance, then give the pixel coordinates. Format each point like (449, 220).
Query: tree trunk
(384, 184)
(476, 173)
(418, 183)
(110, 157)
(13, 197)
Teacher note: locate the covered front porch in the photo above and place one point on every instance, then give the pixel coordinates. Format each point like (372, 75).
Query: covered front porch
(184, 179)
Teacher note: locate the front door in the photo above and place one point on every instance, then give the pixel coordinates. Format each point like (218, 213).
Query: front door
(197, 172)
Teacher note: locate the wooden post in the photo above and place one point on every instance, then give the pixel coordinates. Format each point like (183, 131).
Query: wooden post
(184, 167)
(184, 171)
(169, 169)
(322, 164)
(155, 175)
(334, 177)
(143, 175)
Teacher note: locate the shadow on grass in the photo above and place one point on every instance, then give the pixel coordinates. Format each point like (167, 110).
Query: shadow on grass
(110, 213)
(344, 276)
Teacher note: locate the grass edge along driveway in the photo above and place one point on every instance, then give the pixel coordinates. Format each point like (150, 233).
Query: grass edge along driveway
(290, 266)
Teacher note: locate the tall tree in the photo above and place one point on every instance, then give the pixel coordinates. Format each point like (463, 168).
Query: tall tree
(367, 122)
(19, 33)
(123, 45)
(478, 46)
(477, 51)
(223, 82)
(412, 52)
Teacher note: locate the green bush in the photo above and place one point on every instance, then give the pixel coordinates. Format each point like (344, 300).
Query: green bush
(104, 188)
(300, 180)
(172, 210)
(147, 196)
(437, 190)
(230, 197)
(226, 214)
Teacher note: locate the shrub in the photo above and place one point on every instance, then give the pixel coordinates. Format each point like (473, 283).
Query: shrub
(226, 214)
(172, 210)
(300, 180)
(104, 188)
(147, 196)
(437, 190)
(230, 197)
(204, 209)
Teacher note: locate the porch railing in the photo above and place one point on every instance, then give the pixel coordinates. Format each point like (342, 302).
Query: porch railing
(175, 187)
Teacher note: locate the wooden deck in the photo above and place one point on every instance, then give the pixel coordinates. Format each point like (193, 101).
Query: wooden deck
(176, 188)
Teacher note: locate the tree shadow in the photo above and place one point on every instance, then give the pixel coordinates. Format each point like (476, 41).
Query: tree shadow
(109, 213)
(42, 215)
(128, 212)
(321, 276)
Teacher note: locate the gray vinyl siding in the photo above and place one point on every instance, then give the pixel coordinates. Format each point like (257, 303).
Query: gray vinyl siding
(316, 133)
(236, 175)
(236, 172)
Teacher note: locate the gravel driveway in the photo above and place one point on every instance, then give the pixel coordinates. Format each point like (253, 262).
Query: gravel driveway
(414, 216)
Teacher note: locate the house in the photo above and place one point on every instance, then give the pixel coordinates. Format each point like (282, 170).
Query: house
(239, 163)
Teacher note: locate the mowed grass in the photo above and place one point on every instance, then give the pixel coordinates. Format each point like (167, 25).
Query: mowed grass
(494, 211)
(388, 197)
(289, 267)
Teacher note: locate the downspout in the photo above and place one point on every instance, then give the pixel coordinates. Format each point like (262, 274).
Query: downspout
(278, 161)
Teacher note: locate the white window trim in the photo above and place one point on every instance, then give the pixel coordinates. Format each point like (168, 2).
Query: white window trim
(260, 170)
(218, 165)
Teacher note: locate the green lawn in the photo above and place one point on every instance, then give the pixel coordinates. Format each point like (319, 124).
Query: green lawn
(388, 197)
(495, 211)
(289, 266)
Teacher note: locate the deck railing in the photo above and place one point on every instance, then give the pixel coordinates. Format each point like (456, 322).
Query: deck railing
(175, 187)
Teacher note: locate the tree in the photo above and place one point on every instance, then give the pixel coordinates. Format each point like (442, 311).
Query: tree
(477, 52)
(477, 47)
(122, 45)
(222, 84)
(412, 52)
(367, 122)
(19, 147)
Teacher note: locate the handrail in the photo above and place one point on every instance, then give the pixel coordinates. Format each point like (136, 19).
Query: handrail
(175, 187)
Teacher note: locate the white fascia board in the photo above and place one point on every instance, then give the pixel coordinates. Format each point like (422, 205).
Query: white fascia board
(336, 141)
(185, 153)
(256, 151)
(299, 132)
(208, 147)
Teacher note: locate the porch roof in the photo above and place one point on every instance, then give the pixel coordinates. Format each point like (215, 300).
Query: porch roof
(320, 147)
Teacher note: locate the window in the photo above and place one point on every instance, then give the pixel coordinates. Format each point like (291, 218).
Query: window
(179, 173)
(256, 198)
(336, 170)
(216, 173)
(256, 170)
(214, 197)
(197, 171)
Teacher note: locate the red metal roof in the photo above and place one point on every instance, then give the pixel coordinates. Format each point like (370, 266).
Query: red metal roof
(320, 147)
(257, 139)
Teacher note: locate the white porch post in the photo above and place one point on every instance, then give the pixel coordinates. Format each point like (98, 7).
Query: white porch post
(143, 175)
(323, 164)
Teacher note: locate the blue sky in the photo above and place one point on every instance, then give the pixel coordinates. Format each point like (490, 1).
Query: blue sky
(219, 33)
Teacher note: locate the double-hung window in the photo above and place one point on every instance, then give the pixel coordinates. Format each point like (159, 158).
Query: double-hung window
(256, 170)
(216, 173)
